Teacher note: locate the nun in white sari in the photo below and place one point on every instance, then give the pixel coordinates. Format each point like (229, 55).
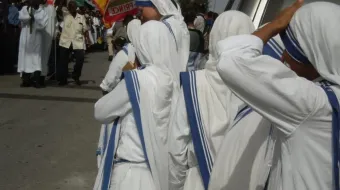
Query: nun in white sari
(136, 156)
(304, 113)
(172, 17)
(114, 76)
(205, 110)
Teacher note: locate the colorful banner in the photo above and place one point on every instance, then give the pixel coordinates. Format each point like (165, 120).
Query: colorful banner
(115, 10)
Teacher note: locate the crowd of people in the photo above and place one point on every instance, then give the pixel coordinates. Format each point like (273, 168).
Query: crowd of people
(261, 112)
(39, 39)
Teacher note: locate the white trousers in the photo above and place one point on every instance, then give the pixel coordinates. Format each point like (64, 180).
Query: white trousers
(193, 180)
(130, 176)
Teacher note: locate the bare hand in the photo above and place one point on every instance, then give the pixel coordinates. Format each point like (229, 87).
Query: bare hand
(283, 19)
(280, 23)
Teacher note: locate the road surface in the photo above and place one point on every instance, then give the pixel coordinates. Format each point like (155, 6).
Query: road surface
(48, 137)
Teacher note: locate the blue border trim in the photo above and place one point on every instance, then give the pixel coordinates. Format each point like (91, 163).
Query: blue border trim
(333, 100)
(108, 162)
(170, 29)
(241, 114)
(273, 49)
(188, 80)
(143, 3)
(125, 50)
(293, 47)
(132, 86)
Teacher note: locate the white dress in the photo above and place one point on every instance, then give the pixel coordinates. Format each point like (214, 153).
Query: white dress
(30, 47)
(299, 110)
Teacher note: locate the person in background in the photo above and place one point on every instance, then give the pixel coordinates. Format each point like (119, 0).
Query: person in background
(48, 37)
(109, 38)
(196, 43)
(125, 56)
(121, 33)
(3, 30)
(13, 36)
(95, 26)
(33, 21)
(72, 38)
(200, 22)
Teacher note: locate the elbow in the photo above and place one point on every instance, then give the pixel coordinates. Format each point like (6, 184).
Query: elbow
(99, 113)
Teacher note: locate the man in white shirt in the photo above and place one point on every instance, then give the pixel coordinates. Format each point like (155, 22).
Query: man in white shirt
(72, 37)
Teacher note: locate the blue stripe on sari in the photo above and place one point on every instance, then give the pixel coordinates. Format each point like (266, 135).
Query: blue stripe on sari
(133, 88)
(333, 100)
(205, 162)
(143, 3)
(170, 29)
(108, 162)
(293, 47)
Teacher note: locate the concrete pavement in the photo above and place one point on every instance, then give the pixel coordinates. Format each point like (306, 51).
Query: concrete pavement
(48, 137)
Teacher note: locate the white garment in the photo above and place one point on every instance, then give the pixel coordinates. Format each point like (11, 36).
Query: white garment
(30, 47)
(178, 27)
(298, 108)
(133, 31)
(95, 21)
(123, 57)
(199, 23)
(73, 31)
(130, 176)
(48, 36)
(113, 76)
(109, 32)
(158, 92)
(217, 107)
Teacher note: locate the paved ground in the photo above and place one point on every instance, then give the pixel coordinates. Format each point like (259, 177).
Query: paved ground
(48, 136)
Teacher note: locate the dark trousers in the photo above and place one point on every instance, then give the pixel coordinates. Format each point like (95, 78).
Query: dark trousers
(62, 67)
(54, 57)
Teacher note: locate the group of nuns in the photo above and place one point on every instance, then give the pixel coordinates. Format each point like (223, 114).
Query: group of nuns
(263, 115)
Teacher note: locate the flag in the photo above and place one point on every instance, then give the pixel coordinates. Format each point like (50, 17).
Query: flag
(115, 10)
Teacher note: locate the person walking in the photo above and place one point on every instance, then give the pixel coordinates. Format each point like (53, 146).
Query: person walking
(72, 38)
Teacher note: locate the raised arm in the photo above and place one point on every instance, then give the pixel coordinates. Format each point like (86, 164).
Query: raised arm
(179, 138)
(266, 84)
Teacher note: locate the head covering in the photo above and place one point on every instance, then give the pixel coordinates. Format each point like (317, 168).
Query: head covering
(313, 37)
(133, 30)
(228, 24)
(199, 23)
(174, 20)
(159, 50)
(159, 89)
(274, 48)
(164, 7)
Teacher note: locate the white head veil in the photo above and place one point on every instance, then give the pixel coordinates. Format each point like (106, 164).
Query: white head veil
(159, 90)
(167, 7)
(157, 47)
(228, 24)
(133, 29)
(316, 28)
